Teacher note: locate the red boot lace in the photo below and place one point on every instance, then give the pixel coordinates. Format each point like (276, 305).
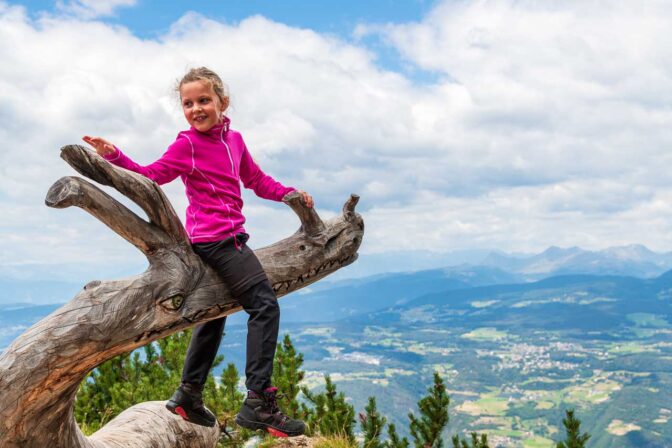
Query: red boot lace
(271, 395)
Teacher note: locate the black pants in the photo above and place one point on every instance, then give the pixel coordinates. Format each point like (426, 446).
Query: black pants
(240, 269)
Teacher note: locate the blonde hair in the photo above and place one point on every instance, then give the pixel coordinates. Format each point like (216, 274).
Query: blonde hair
(209, 77)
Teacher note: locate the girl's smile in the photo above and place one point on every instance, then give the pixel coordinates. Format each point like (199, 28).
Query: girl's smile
(201, 106)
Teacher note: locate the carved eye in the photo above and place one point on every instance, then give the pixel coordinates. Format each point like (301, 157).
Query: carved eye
(173, 303)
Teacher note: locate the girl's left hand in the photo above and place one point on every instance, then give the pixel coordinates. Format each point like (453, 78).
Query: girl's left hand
(307, 198)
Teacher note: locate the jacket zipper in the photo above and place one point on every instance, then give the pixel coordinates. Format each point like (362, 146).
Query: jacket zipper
(233, 170)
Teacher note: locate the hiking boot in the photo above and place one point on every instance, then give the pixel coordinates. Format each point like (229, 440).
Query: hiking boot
(261, 411)
(187, 402)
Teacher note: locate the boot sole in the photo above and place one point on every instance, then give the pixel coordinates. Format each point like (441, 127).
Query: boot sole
(177, 409)
(249, 424)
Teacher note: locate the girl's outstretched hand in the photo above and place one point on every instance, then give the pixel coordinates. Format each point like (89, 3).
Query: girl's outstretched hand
(307, 198)
(102, 146)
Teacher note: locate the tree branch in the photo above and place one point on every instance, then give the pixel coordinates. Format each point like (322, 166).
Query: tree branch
(311, 224)
(130, 430)
(69, 191)
(141, 190)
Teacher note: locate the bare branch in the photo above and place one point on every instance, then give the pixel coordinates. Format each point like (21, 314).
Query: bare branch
(349, 207)
(69, 191)
(141, 190)
(311, 223)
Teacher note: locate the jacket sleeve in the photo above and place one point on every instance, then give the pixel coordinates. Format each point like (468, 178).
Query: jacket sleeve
(263, 185)
(174, 162)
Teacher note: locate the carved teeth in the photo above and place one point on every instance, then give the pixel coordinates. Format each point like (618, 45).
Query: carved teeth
(287, 284)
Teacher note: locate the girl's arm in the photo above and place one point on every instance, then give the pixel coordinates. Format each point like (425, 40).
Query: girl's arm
(264, 185)
(173, 162)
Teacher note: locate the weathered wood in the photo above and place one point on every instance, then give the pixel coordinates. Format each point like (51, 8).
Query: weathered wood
(42, 369)
(150, 425)
(69, 191)
(141, 190)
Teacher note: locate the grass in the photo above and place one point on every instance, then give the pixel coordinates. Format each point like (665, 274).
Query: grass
(648, 320)
(538, 442)
(620, 428)
(595, 390)
(629, 348)
(483, 303)
(318, 331)
(390, 372)
(334, 442)
(489, 404)
(544, 405)
(543, 379)
(486, 334)
(446, 371)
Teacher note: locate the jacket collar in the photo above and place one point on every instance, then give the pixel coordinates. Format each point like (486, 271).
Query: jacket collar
(216, 130)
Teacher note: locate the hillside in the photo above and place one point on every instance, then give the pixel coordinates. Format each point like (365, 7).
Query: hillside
(514, 355)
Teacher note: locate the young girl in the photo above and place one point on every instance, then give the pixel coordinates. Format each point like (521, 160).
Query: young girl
(212, 160)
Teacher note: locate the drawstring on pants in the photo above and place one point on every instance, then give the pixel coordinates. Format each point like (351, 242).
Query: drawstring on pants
(238, 247)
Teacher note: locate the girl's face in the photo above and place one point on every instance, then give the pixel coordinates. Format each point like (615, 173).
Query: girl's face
(201, 106)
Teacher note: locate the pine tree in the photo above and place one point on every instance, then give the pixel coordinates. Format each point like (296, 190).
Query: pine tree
(476, 442)
(573, 429)
(372, 425)
(226, 399)
(287, 375)
(330, 415)
(393, 440)
(426, 430)
(149, 373)
(233, 397)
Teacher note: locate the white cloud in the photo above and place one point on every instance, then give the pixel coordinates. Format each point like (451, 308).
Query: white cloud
(517, 219)
(548, 125)
(89, 9)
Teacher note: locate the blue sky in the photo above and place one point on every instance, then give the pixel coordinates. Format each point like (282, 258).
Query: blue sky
(151, 18)
(471, 124)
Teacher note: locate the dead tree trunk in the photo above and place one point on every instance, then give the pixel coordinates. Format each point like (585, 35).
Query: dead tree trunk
(42, 369)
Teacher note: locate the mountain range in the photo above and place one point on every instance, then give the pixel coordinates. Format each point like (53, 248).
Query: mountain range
(634, 260)
(473, 267)
(518, 338)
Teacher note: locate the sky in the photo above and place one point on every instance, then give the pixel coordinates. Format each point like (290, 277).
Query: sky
(463, 125)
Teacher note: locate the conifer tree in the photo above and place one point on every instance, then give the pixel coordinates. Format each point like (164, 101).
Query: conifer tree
(287, 375)
(228, 396)
(393, 440)
(573, 429)
(330, 413)
(426, 430)
(150, 373)
(476, 442)
(372, 424)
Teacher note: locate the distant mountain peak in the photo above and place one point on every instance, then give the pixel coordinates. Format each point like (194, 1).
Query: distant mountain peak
(631, 260)
(554, 251)
(630, 251)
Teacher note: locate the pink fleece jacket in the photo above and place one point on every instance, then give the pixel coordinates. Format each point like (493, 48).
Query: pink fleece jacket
(211, 165)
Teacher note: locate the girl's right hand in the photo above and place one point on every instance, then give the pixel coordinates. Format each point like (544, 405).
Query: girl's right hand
(102, 146)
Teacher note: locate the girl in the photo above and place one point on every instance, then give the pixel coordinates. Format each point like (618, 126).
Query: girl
(211, 160)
